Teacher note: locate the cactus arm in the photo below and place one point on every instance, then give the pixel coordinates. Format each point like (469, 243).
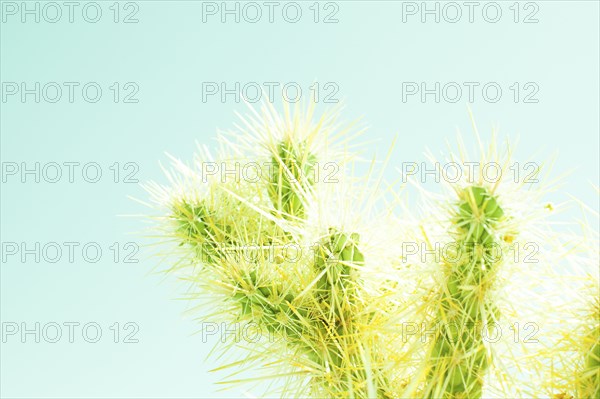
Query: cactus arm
(357, 373)
(458, 357)
(291, 177)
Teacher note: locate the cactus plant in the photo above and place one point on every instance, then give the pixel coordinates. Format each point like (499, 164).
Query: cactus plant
(314, 303)
(339, 306)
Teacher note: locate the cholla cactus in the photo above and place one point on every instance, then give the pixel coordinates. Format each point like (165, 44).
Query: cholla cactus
(235, 233)
(484, 296)
(337, 308)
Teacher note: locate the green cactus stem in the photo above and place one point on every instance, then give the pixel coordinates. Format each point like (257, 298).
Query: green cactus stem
(337, 262)
(459, 358)
(197, 226)
(291, 178)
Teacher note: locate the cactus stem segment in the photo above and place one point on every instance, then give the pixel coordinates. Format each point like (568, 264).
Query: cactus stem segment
(458, 357)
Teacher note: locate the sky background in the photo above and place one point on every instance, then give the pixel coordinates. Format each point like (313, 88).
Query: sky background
(368, 52)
